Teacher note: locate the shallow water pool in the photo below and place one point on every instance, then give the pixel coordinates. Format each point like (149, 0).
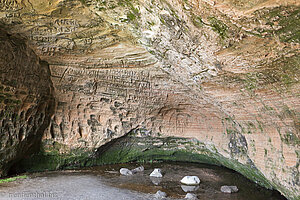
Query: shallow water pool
(105, 183)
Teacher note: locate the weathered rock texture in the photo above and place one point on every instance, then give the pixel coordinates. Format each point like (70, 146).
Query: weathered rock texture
(25, 100)
(223, 72)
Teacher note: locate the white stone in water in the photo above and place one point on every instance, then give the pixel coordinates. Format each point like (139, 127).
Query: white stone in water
(125, 172)
(160, 195)
(138, 169)
(190, 180)
(189, 188)
(156, 173)
(191, 196)
(229, 189)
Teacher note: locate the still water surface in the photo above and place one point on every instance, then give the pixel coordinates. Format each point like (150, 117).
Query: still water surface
(105, 183)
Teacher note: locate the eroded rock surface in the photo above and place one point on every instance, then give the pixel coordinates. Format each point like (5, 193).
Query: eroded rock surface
(223, 72)
(26, 101)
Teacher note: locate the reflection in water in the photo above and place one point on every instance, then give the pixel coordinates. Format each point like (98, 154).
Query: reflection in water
(189, 188)
(105, 182)
(212, 178)
(155, 180)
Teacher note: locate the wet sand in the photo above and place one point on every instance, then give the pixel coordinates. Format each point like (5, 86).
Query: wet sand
(65, 186)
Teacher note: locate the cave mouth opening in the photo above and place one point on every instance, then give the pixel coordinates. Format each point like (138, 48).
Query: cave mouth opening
(143, 150)
(129, 152)
(133, 149)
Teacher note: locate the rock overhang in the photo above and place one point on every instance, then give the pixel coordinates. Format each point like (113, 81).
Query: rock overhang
(223, 72)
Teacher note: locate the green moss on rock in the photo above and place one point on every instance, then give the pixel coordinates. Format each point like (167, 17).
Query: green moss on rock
(137, 149)
(282, 21)
(218, 26)
(11, 179)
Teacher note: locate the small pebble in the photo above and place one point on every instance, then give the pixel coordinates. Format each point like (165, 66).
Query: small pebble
(156, 173)
(229, 189)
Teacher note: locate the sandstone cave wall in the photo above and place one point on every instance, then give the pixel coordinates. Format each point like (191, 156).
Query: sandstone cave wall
(223, 72)
(26, 101)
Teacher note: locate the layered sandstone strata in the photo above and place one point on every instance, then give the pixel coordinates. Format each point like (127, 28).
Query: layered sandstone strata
(223, 72)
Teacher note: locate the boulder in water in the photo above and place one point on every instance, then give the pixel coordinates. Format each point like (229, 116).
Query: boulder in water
(138, 169)
(125, 172)
(190, 180)
(156, 173)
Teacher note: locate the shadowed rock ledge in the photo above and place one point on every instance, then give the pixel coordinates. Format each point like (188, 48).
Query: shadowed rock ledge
(211, 81)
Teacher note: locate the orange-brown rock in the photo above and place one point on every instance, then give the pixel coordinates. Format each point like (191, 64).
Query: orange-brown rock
(225, 72)
(26, 101)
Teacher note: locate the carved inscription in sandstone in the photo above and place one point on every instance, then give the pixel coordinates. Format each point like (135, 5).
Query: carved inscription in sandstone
(58, 26)
(43, 38)
(9, 5)
(123, 63)
(65, 25)
(182, 121)
(114, 82)
(12, 15)
(42, 30)
(52, 38)
(132, 86)
(49, 50)
(66, 22)
(11, 9)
